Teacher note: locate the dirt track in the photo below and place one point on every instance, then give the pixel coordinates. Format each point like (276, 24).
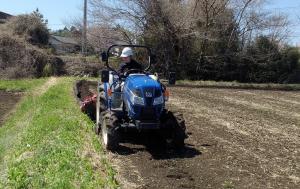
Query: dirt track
(7, 103)
(237, 139)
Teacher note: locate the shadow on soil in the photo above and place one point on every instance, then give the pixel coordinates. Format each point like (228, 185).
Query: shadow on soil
(8, 101)
(134, 142)
(161, 153)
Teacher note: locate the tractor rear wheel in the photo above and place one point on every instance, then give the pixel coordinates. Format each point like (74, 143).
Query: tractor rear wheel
(100, 108)
(109, 130)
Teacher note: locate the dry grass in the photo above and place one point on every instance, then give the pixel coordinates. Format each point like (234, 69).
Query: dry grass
(237, 85)
(81, 66)
(19, 59)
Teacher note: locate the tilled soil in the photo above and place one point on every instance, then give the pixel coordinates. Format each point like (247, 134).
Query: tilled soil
(8, 101)
(237, 139)
(84, 89)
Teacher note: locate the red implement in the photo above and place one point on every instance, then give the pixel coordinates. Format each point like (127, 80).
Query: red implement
(87, 102)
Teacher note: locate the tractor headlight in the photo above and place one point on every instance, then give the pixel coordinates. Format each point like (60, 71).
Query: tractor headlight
(158, 100)
(136, 97)
(137, 92)
(138, 100)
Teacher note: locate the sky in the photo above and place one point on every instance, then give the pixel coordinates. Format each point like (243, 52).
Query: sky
(292, 9)
(60, 12)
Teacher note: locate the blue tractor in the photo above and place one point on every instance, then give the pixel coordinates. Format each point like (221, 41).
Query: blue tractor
(134, 100)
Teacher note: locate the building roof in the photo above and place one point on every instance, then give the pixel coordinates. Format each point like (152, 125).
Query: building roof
(65, 40)
(4, 16)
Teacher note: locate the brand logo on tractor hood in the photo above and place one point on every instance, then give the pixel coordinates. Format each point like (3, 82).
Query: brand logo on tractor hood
(148, 94)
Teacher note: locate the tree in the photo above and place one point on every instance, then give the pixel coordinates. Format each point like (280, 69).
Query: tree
(40, 16)
(32, 27)
(200, 39)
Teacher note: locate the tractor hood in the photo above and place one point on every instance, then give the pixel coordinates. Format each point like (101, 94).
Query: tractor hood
(143, 97)
(141, 81)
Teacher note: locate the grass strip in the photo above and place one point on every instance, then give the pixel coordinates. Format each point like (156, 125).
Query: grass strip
(49, 143)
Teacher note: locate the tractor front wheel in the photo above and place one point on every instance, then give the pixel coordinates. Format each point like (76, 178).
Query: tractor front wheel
(175, 127)
(100, 108)
(109, 130)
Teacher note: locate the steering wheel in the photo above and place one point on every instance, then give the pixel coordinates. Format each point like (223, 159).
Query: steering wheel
(131, 71)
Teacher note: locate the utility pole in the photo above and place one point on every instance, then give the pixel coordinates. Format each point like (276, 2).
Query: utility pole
(84, 30)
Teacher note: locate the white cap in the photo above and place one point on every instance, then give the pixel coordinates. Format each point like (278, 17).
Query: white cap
(127, 51)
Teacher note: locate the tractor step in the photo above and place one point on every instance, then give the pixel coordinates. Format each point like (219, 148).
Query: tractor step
(142, 125)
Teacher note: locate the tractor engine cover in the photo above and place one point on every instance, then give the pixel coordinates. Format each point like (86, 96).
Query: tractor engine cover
(143, 98)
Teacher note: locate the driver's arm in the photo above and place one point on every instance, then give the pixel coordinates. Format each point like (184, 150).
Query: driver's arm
(122, 68)
(140, 66)
(137, 66)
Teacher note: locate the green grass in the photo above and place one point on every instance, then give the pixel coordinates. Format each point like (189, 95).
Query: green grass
(228, 185)
(237, 85)
(20, 85)
(49, 143)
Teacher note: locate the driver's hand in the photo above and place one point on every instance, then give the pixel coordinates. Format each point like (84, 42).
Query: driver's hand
(122, 76)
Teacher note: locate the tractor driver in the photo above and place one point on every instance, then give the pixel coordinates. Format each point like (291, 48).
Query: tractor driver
(128, 62)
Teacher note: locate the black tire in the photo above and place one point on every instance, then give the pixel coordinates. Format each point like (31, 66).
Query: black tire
(175, 126)
(102, 100)
(109, 128)
(100, 108)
